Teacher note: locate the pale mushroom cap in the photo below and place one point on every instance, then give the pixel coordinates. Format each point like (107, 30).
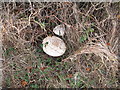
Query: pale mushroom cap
(59, 30)
(54, 46)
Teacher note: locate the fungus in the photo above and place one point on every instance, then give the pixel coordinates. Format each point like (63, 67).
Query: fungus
(54, 46)
(59, 30)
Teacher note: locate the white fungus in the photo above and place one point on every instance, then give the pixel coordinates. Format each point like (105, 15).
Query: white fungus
(59, 30)
(54, 46)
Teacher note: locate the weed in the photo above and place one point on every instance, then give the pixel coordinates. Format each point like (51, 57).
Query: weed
(42, 25)
(85, 36)
(8, 51)
(8, 80)
(34, 86)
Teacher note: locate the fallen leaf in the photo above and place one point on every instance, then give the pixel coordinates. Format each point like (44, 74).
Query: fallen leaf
(69, 75)
(43, 68)
(108, 44)
(118, 16)
(88, 69)
(23, 83)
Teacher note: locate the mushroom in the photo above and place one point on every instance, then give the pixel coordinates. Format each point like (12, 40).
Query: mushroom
(54, 46)
(59, 30)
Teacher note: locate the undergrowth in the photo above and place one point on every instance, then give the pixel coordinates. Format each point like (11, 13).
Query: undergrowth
(91, 37)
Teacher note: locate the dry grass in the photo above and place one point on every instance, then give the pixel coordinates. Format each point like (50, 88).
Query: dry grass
(92, 35)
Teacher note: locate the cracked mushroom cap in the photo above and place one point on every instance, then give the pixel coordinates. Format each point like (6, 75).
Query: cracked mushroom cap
(54, 46)
(59, 30)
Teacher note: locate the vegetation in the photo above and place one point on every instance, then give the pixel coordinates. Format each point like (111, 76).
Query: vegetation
(91, 37)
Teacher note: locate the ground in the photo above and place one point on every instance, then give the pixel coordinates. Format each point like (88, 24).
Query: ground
(91, 37)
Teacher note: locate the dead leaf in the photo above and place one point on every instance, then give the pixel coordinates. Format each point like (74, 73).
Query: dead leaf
(23, 83)
(69, 75)
(43, 68)
(118, 16)
(88, 69)
(108, 44)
